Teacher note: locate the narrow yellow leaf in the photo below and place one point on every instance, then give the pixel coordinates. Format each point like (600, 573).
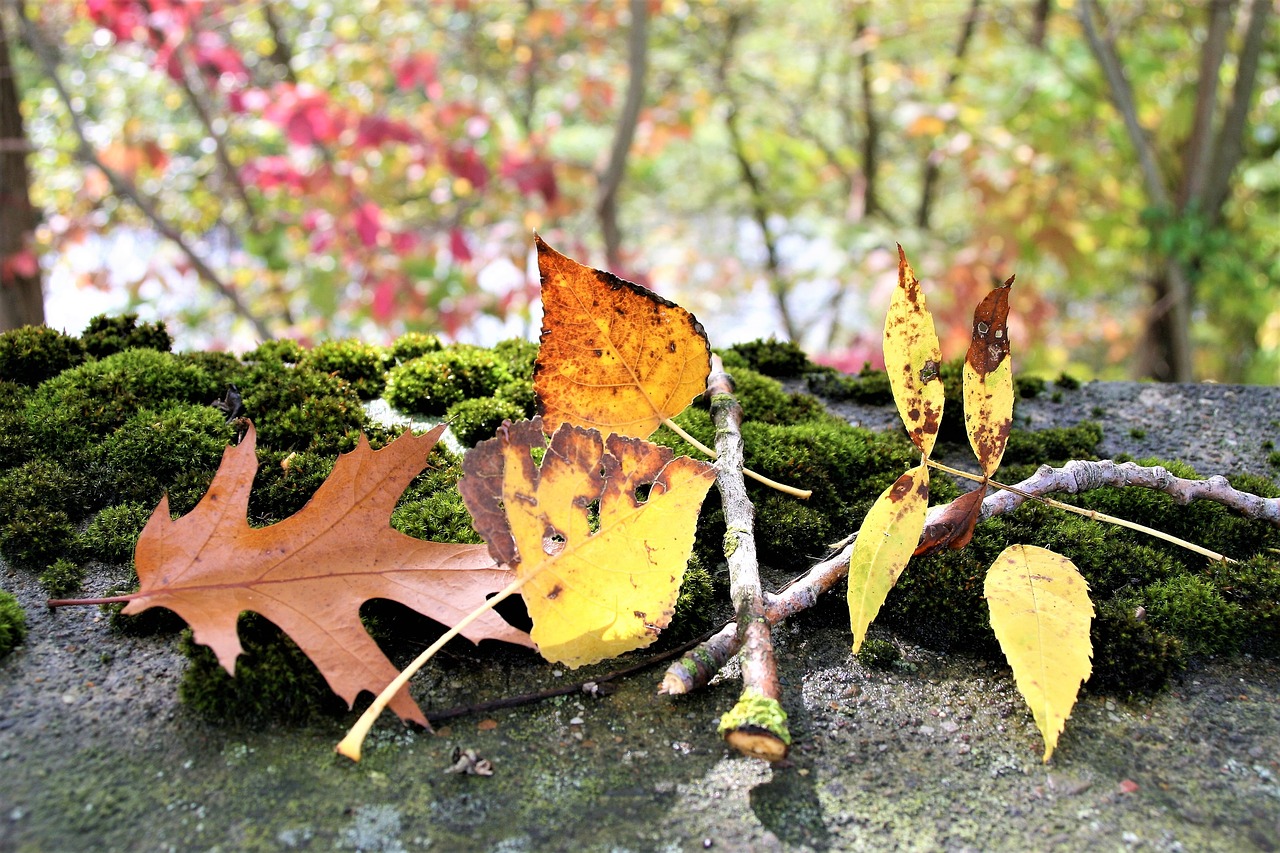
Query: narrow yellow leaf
(885, 542)
(988, 380)
(1040, 612)
(912, 358)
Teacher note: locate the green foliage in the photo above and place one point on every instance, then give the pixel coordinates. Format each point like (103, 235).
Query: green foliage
(280, 351)
(106, 336)
(878, 654)
(764, 400)
(519, 392)
(363, 365)
(772, 358)
(154, 450)
(32, 354)
(1130, 655)
(274, 681)
(112, 534)
(413, 344)
(32, 538)
(519, 355)
(286, 481)
(473, 421)
(439, 517)
(298, 408)
(62, 579)
(1193, 610)
(433, 382)
(13, 623)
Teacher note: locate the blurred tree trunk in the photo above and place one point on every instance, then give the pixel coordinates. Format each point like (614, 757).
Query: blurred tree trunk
(611, 178)
(21, 297)
(1209, 160)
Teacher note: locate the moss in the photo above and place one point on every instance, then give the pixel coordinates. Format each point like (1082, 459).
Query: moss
(413, 344)
(68, 412)
(433, 382)
(878, 654)
(13, 623)
(33, 538)
(519, 392)
(62, 579)
(519, 356)
(1067, 382)
(870, 387)
(274, 681)
(32, 354)
(440, 517)
(1130, 655)
(1052, 446)
(112, 535)
(1193, 610)
(298, 408)
(773, 357)
(106, 336)
(363, 365)
(1273, 459)
(286, 481)
(154, 450)
(758, 712)
(764, 400)
(282, 351)
(472, 421)
(222, 368)
(1028, 387)
(695, 605)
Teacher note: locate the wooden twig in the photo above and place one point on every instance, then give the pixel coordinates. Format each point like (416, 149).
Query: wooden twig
(757, 725)
(700, 665)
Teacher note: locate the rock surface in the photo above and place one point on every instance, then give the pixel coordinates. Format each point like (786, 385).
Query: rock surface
(97, 753)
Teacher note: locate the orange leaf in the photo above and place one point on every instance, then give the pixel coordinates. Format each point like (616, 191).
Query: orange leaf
(954, 527)
(613, 355)
(310, 573)
(600, 568)
(988, 380)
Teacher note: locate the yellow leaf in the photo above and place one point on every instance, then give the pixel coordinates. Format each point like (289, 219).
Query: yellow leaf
(988, 380)
(1040, 612)
(912, 358)
(613, 355)
(600, 569)
(885, 542)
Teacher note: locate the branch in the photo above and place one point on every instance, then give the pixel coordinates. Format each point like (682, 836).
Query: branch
(125, 188)
(757, 725)
(1196, 157)
(611, 179)
(697, 667)
(1228, 148)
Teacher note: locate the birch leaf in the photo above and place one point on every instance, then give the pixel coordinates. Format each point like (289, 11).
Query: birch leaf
(988, 380)
(888, 535)
(1040, 612)
(912, 359)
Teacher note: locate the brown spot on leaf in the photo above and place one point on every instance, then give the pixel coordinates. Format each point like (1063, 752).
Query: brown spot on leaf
(555, 592)
(990, 341)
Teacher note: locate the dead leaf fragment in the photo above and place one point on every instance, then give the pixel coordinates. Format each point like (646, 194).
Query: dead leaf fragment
(310, 573)
(469, 763)
(614, 356)
(600, 569)
(953, 528)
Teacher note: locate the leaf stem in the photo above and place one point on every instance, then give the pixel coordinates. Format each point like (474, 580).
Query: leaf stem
(77, 602)
(351, 744)
(803, 494)
(1089, 513)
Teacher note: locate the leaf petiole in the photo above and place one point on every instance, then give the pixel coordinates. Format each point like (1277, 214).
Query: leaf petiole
(803, 494)
(1088, 513)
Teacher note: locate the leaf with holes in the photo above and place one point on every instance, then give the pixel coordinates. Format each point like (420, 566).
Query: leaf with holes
(310, 573)
(1040, 612)
(913, 358)
(600, 567)
(613, 356)
(988, 380)
(885, 541)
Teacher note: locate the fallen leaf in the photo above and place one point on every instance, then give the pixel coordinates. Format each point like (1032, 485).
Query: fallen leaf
(310, 573)
(913, 359)
(614, 356)
(988, 380)
(1040, 613)
(885, 541)
(601, 569)
(953, 528)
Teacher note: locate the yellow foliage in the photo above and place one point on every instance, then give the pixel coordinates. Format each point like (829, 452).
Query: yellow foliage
(912, 359)
(1040, 612)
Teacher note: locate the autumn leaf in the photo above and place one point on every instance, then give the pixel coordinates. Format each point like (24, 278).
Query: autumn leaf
(988, 380)
(600, 569)
(1040, 612)
(885, 541)
(953, 528)
(310, 573)
(912, 359)
(613, 356)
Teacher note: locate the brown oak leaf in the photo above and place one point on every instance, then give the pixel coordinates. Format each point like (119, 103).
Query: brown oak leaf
(310, 573)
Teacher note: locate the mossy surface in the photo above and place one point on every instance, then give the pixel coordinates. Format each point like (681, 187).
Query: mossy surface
(106, 335)
(13, 623)
(431, 383)
(32, 354)
(363, 365)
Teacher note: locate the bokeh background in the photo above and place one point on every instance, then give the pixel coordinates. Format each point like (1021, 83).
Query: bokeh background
(317, 169)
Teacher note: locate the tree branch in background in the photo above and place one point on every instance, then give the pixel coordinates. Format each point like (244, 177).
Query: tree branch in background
(611, 179)
(698, 667)
(870, 121)
(21, 296)
(933, 160)
(1229, 146)
(1198, 150)
(282, 52)
(125, 188)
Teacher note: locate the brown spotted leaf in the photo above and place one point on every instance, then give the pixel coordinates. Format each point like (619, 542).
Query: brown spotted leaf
(601, 568)
(953, 528)
(614, 356)
(988, 380)
(310, 573)
(912, 359)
